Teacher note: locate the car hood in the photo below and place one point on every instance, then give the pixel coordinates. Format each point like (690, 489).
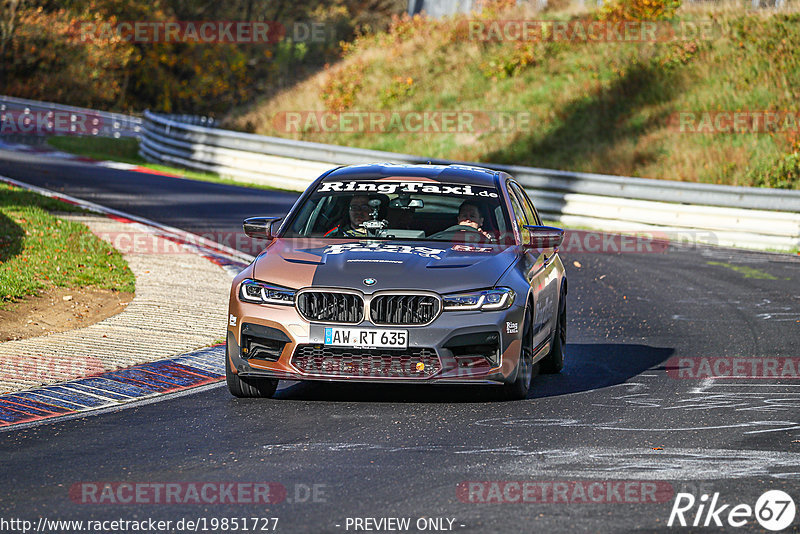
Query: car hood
(436, 266)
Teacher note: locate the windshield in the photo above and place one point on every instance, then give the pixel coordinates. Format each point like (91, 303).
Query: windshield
(411, 209)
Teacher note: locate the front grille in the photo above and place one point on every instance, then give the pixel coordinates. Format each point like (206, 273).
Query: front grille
(337, 361)
(404, 309)
(331, 307)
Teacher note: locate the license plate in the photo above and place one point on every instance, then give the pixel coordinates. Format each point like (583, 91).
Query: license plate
(366, 338)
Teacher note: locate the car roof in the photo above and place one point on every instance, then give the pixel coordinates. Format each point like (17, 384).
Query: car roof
(460, 174)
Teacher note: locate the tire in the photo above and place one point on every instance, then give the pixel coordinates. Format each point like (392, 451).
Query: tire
(519, 388)
(554, 361)
(249, 387)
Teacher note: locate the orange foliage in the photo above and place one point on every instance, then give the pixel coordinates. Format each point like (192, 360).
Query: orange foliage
(645, 10)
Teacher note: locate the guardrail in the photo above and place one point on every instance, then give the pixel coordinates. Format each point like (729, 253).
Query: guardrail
(726, 215)
(75, 120)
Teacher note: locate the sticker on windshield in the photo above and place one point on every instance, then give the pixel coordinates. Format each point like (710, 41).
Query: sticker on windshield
(407, 187)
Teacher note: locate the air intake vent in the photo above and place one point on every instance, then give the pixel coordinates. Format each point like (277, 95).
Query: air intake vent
(262, 342)
(335, 361)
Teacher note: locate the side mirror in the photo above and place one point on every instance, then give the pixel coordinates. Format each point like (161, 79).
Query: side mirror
(543, 236)
(259, 227)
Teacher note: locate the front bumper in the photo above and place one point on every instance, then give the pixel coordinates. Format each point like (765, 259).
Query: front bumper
(469, 347)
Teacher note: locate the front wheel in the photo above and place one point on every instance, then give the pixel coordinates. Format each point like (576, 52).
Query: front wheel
(249, 387)
(554, 361)
(518, 389)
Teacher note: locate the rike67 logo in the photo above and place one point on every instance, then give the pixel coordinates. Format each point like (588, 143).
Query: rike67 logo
(774, 510)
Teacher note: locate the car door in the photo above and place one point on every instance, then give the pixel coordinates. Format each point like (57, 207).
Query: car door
(543, 275)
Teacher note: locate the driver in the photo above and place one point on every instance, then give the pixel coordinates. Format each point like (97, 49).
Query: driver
(359, 211)
(469, 214)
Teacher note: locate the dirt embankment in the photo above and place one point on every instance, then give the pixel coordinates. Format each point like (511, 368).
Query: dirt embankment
(59, 309)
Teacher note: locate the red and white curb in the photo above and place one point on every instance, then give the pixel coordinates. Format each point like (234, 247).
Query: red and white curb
(202, 369)
(113, 390)
(66, 156)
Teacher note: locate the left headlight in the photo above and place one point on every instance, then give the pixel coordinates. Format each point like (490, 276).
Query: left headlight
(263, 293)
(498, 298)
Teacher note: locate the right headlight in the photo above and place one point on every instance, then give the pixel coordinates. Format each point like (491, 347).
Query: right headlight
(498, 298)
(263, 293)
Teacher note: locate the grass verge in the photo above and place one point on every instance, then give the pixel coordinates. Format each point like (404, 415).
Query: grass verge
(126, 150)
(38, 250)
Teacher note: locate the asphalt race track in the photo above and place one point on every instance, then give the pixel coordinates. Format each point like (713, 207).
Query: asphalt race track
(618, 412)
